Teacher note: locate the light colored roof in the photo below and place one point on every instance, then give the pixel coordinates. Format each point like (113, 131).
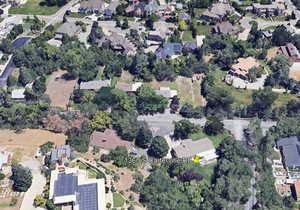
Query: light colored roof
(297, 188)
(128, 87)
(166, 92)
(219, 10)
(69, 28)
(274, 5)
(190, 148)
(63, 151)
(244, 65)
(93, 85)
(200, 39)
(18, 93)
(92, 4)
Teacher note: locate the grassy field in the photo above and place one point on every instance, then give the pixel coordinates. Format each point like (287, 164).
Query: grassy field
(187, 36)
(203, 29)
(217, 139)
(118, 200)
(206, 171)
(34, 7)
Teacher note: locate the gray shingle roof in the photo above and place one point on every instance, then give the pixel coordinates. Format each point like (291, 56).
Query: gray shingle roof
(69, 28)
(63, 151)
(189, 148)
(93, 85)
(290, 148)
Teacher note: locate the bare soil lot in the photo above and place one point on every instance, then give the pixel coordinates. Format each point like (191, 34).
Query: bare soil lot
(25, 144)
(60, 90)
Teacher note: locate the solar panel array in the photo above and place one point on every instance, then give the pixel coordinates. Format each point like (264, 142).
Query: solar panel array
(66, 184)
(87, 197)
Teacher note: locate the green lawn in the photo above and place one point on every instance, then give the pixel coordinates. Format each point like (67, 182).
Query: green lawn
(203, 29)
(206, 171)
(241, 96)
(78, 15)
(187, 36)
(33, 7)
(217, 139)
(4, 205)
(118, 200)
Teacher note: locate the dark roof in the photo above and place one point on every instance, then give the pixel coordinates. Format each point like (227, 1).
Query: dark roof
(168, 50)
(290, 148)
(87, 197)
(155, 37)
(107, 12)
(65, 184)
(184, 16)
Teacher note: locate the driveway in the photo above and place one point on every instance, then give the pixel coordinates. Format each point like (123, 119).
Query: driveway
(37, 187)
(162, 124)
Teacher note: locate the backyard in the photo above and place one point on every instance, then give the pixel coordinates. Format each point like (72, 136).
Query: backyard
(56, 84)
(118, 200)
(34, 7)
(26, 143)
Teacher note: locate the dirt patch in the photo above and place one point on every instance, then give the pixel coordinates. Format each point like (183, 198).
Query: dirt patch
(272, 52)
(27, 142)
(208, 57)
(60, 90)
(4, 201)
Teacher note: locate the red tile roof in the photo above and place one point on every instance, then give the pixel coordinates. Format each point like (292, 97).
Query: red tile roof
(107, 139)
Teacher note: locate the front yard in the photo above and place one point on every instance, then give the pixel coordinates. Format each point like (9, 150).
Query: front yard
(34, 7)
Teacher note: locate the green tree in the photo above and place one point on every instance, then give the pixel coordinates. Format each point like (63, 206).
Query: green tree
(144, 136)
(159, 147)
(182, 25)
(213, 126)
(39, 201)
(148, 102)
(25, 77)
(22, 178)
(184, 128)
(101, 121)
(281, 36)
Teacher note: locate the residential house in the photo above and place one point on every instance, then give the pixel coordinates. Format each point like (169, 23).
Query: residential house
(5, 158)
(290, 152)
(273, 9)
(241, 69)
(168, 50)
(61, 154)
(68, 28)
(166, 92)
(132, 87)
(224, 28)
(72, 189)
(108, 139)
(94, 85)
(119, 43)
(18, 94)
(136, 9)
(290, 51)
(92, 6)
(202, 148)
(218, 12)
(296, 190)
(165, 11)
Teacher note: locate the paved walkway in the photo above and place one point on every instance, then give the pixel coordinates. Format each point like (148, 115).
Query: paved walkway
(37, 187)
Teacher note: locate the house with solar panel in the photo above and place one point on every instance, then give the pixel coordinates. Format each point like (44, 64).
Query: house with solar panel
(71, 188)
